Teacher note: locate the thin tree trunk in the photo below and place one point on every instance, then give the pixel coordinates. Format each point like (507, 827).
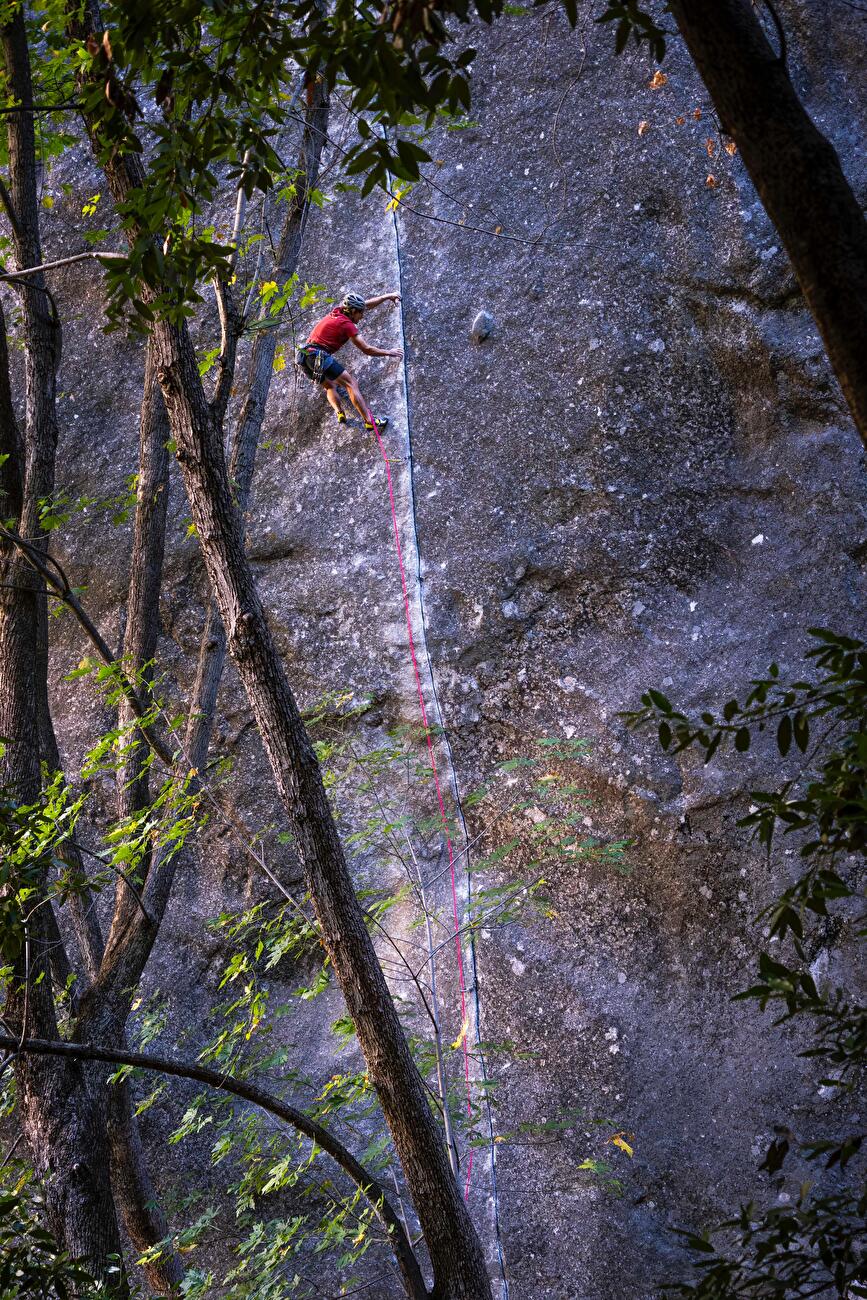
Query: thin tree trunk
(63, 1127)
(797, 174)
(142, 616)
(134, 1192)
(242, 458)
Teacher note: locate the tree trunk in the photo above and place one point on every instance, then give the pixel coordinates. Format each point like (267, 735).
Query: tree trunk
(134, 1192)
(454, 1248)
(242, 460)
(143, 601)
(797, 174)
(63, 1126)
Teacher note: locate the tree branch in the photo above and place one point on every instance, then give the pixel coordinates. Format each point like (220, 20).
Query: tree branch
(63, 261)
(373, 1190)
(52, 572)
(40, 108)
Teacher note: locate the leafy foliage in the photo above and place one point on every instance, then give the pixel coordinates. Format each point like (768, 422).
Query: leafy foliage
(202, 95)
(815, 1246)
(31, 842)
(32, 1265)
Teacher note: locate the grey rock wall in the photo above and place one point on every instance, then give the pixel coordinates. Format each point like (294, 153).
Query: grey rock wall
(642, 474)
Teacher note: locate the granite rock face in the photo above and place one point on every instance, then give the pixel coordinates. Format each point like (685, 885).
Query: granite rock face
(645, 475)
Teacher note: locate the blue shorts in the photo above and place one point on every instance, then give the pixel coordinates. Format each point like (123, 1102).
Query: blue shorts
(318, 364)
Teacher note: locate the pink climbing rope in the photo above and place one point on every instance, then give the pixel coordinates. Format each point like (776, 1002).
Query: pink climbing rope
(465, 1033)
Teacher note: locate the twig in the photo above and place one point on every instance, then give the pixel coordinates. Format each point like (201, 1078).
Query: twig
(44, 564)
(124, 877)
(63, 261)
(40, 108)
(10, 1153)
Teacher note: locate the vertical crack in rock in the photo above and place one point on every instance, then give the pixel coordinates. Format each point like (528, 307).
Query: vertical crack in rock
(485, 1160)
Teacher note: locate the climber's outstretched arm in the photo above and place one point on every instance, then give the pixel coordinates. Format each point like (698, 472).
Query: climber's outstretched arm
(370, 350)
(384, 297)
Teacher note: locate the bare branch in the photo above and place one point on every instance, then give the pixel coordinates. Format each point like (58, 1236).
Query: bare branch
(63, 261)
(52, 572)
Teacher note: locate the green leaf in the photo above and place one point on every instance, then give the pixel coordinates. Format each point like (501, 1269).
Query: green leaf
(784, 734)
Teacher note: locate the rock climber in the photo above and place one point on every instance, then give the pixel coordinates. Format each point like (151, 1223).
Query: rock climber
(317, 360)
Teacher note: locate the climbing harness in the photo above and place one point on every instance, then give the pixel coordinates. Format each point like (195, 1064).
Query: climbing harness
(315, 362)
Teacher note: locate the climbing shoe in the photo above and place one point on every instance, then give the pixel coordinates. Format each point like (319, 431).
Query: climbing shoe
(381, 423)
(341, 417)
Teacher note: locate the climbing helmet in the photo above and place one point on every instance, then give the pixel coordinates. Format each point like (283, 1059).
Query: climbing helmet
(354, 302)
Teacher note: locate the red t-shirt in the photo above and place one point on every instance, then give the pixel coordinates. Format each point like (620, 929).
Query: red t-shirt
(333, 330)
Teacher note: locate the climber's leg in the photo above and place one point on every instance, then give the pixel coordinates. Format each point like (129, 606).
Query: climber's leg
(348, 381)
(355, 397)
(334, 400)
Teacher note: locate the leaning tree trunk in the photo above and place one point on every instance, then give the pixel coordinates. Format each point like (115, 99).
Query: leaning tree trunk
(454, 1248)
(197, 429)
(797, 174)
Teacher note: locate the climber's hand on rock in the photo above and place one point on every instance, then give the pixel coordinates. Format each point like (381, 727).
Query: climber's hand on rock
(395, 352)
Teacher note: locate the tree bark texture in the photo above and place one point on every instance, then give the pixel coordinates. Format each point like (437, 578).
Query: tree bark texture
(11, 451)
(63, 1126)
(797, 175)
(134, 1193)
(41, 327)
